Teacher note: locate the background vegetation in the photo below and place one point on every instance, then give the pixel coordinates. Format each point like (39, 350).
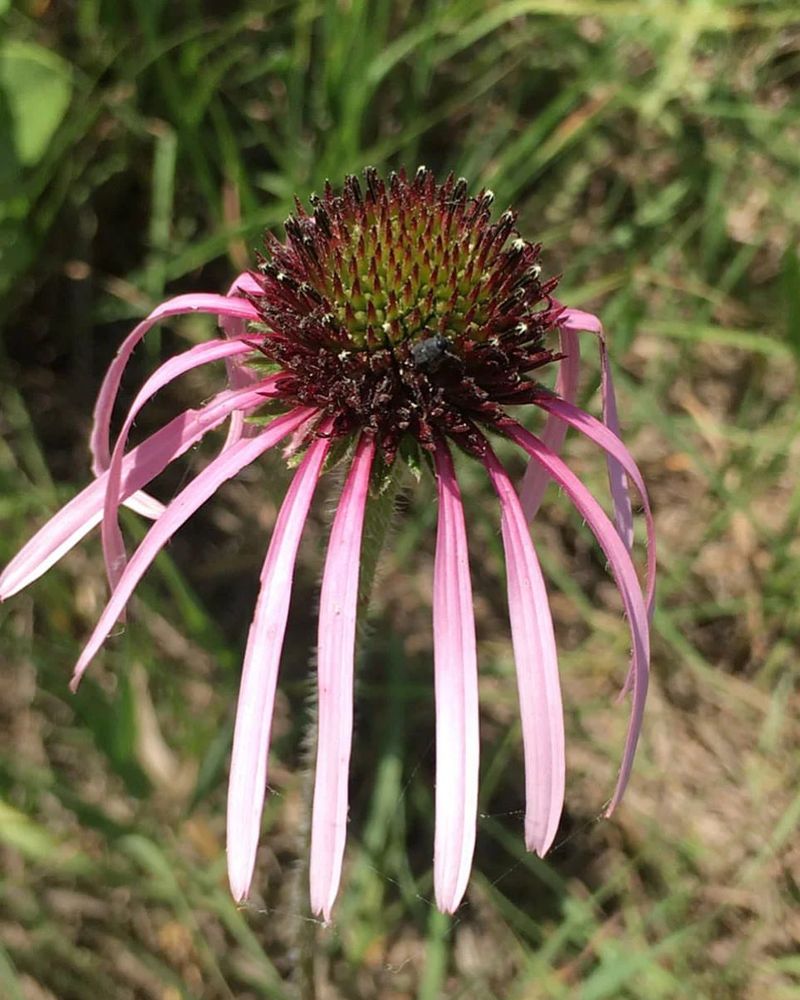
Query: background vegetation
(653, 146)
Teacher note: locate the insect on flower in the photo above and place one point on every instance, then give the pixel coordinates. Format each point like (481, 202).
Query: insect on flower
(429, 354)
(394, 322)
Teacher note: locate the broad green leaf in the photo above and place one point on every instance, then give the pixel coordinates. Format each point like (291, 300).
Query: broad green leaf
(25, 835)
(36, 86)
(8, 974)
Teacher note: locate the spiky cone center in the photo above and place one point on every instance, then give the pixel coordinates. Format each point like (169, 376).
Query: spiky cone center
(404, 310)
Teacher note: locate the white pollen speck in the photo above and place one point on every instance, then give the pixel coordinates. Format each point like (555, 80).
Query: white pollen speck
(518, 244)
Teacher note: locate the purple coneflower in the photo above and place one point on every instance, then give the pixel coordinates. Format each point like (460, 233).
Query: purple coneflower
(394, 322)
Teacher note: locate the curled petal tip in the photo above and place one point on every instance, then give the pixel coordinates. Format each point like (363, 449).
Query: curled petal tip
(240, 887)
(538, 845)
(142, 503)
(8, 585)
(448, 904)
(540, 848)
(322, 907)
(240, 871)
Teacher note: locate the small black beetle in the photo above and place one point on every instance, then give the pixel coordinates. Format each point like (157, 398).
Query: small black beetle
(429, 354)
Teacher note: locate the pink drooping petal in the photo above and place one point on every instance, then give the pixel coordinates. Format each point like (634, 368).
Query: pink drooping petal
(145, 505)
(336, 650)
(215, 350)
(142, 464)
(603, 436)
(179, 510)
(534, 482)
(248, 775)
(580, 322)
(576, 320)
(244, 284)
(537, 669)
(456, 686)
(624, 573)
(239, 374)
(200, 302)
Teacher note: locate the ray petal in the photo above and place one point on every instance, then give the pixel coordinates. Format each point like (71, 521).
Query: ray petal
(537, 669)
(624, 573)
(238, 373)
(534, 482)
(336, 651)
(141, 465)
(606, 439)
(248, 774)
(181, 304)
(576, 320)
(180, 509)
(202, 354)
(456, 686)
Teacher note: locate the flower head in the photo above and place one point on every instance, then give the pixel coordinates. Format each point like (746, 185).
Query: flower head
(396, 319)
(404, 311)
